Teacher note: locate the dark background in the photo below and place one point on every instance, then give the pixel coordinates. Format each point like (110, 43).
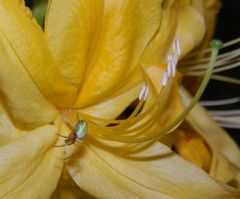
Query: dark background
(228, 28)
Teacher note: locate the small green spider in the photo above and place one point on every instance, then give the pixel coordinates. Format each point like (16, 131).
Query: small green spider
(78, 133)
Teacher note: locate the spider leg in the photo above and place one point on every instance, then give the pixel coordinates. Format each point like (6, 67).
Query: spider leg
(78, 140)
(61, 135)
(69, 125)
(62, 145)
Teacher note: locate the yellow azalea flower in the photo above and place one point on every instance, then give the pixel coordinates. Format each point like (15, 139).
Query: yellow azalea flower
(93, 60)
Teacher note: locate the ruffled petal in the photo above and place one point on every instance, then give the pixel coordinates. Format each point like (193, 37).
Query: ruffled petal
(26, 39)
(154, 172)
(27, 163)
(73, 38)
(126, 28)
(157, 49)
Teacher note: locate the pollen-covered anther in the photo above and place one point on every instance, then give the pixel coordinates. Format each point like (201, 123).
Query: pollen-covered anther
(144, 93)
(176, 47)
(164, 78)
(171, 66)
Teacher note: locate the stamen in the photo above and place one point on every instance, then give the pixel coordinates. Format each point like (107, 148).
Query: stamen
(227, 125)
(174, 64)
(225, 118)
(171, 66)
(220, 102)
(225, 112)
(144, 93)
(225, 61)
(189, 59)
(226, 79)
(228, 121)
(164, 78)
(176, 47)
(142, 127)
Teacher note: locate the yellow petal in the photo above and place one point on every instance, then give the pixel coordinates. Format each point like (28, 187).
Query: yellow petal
(226, 154)
(155, 172)
(67, 189)
(112, 108)
(30, 166)
(158, 47)
(22, 96)
(72, 39)
(8, 132)
(28, 43)
(70, 193)
(126, 28)
(209, 10)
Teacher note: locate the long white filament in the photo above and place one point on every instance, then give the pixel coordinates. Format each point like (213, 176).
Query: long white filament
(230, 59)
(225, 118)
(220, 102)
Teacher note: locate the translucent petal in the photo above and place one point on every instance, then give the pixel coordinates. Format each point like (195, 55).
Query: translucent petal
(28, 43)
(153, 172)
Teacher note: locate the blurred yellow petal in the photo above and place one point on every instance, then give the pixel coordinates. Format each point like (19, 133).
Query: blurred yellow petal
(208, 9)
(126, 28)
(154, 172)
(192, 148)
(190, 31)
(27, 163)
(28, 43)
(226, 154)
